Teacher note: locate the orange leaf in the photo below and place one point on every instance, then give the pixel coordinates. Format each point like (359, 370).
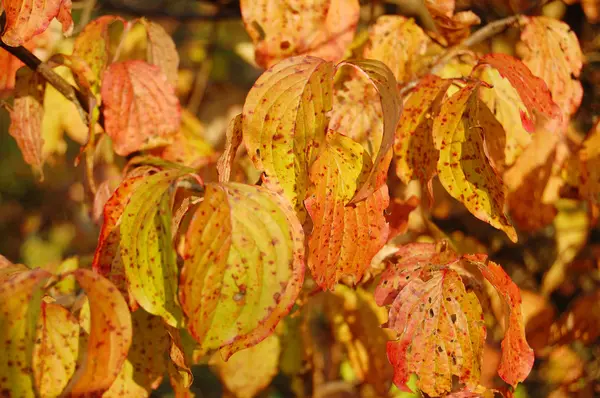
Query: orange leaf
(26, 117)
(233, 142)
(345, 237)
(451, 28)
(110, 335)
(533, 91)
(161, 50)
(141, 110)
(28, 18)
(9, 64)
(397, 215)
(322, 28)
(589, 158)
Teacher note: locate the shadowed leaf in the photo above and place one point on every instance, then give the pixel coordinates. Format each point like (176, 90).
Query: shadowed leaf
(161, 50)
(233, 141)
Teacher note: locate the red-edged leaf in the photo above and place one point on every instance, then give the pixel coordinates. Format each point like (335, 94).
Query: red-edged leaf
(244, 266)
(517, 357)
(384, 82)
(141, 110)
(533, 91)
(109, 337)
(441, 333)
(20, 299)
(26, 117)
(233, 141)
(345, 237)
(322, 28)
(28, 18)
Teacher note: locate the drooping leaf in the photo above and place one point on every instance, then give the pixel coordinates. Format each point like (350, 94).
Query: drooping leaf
(26, 117)
(551, 51)
(233, 141)
(284, 121)
(161, 50)
(110, 335)
(178, 364)
(141, 110)
(517, 357)
(532, 90)
(322, 28)
(56, 350)
(337, 225)
(148, 255)
(20, 299)
(28, 18)
(384, 82)
(244, 266)
(146, 361)
(415, 154)
(249, 371)
(463, 167)
(441, 333)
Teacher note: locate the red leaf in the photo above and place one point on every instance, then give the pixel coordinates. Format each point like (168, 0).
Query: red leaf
(141, 110)
(398, 213)
(28, 18)
(533, 91)
(9, 64)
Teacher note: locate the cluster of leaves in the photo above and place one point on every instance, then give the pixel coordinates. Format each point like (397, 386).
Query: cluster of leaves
(186, 266)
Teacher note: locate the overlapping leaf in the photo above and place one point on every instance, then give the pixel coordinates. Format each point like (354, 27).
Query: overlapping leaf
(551, 51)
(345, 237)
(463, 167)
(451, 28)
(9, 64)
(146, 250)
(28, 18)
(244, 266)
(415, 153)
(284, 123)
(323, 28)
(233, 141)
(141, 110)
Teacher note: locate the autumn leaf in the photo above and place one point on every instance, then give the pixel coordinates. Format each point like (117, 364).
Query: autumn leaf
(401, 44)
(249, 371)
(233, 138)
(28, 18)
(56, 350)
(441, 333)
(141, 110)
(161, 50)
(517, 357)
(397, 215)
(146, 249)
(20, 300)
(384, 82)
(589, 165)
(415, 154)
(463, 167)
(338, 225)
(26, 118)
(109, 336)
(551, 51)
(580, 322)
(9, 64)
(284, 121)
(244, 266)
(322, 28)
(451, 28)
(532, 90)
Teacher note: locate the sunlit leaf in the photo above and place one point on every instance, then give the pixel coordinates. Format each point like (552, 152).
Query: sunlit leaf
(532, 90)
(249, 371)
(233, 141)
(384, 82)
(244, 266)
(415, 154)
(463, 167)
(148, 255)
(338, 226)
(161, 50)
(322, 28)
(28, 18)
(20, 299)
(141, 110)
(26, 117)
(56, 350)
(284, 122)
(551, 51)
(110, 335)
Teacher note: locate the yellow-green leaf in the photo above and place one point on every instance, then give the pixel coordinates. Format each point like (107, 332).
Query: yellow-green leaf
(284, 121)
(463, 166)
(244, 266)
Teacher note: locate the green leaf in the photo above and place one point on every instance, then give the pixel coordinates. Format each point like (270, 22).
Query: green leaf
(244, 266)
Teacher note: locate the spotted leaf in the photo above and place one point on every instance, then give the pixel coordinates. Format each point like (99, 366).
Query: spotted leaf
(463, 166)
(244, 266)
(28, 18)
(344, 237)
(323, 28)
(284, 121)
